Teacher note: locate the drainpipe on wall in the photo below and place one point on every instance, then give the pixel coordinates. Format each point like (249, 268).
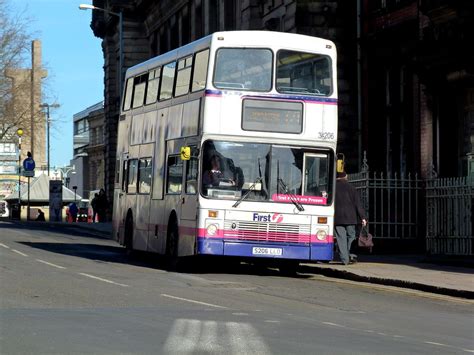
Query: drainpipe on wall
(359, 84)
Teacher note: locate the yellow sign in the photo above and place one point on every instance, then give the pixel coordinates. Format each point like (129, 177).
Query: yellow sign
(340, 163)
(185, 153)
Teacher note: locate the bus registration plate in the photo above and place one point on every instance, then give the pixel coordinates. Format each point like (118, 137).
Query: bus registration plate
(266, 251)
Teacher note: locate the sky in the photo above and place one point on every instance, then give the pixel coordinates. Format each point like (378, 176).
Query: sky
(72, 55)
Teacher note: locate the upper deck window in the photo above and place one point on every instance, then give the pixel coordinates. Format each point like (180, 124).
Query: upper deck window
(248, 69)
(303, 73)
(139, 90)
(153, 85)
(183, 77)
(167, 81)
(127, 101)
(200, 70)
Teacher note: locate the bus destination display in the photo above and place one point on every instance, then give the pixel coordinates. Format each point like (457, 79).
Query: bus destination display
(272, 116)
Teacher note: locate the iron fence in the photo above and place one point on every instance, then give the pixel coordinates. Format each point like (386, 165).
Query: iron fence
(450, 219)
(392, 203)
(441, 211)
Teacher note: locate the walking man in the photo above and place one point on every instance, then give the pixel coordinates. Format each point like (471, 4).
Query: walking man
(348, 214)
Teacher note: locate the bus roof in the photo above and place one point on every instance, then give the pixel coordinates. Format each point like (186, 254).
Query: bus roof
(239, 39)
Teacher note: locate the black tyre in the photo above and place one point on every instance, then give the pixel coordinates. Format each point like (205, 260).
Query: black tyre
(172, 240)
(128, 238)
(288, 267)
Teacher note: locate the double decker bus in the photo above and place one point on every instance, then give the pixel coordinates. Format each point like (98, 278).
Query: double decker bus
(226, 146)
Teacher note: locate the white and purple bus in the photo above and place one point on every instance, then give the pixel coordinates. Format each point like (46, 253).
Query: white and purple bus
(226, 146)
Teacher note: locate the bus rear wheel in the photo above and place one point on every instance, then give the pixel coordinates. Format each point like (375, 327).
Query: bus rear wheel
(128, 238)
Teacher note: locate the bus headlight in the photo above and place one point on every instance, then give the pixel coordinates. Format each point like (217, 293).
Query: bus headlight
(211, 230)
(321, 234)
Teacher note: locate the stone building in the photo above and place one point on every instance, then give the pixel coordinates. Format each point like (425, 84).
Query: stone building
(151, 28)
(95, 149)
(25, 113)
(27, 98)
(405, 77)
(88, 150)
(418, 86)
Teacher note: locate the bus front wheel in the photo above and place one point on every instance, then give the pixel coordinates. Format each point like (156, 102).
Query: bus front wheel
(288, 267)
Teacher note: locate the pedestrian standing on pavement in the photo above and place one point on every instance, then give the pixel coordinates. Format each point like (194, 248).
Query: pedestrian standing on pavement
(102, 205)
(40, 217)
(73, 211)
(348, 214)
(94, 202)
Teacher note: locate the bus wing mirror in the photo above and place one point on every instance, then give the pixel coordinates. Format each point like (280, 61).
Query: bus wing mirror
(185, 153)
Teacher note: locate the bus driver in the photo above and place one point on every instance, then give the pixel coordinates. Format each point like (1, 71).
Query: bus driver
(214, 176)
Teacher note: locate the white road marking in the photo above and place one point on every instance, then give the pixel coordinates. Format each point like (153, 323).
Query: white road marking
(244, 339)
(433, 343)
(334, 324)
(5, 246)
(183, 337)
(104, 280)
(468, 350)
(19, 252)
(191, 336)
(50, 264)
(193, 301)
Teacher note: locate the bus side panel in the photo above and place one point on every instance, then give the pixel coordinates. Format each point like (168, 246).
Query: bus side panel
(158, 227)
(158, 224)
(140, 235)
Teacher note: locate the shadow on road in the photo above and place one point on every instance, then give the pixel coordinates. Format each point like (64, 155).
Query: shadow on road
(193, 265)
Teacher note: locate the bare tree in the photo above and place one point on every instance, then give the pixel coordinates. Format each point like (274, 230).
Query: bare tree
(15, 43)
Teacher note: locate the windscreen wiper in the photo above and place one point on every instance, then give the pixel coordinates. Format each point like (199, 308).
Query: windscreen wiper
(292, 197)
(251, 188)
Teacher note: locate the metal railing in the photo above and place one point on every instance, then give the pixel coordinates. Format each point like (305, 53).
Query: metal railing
(450, 218)
(392, 203)
(395, 206)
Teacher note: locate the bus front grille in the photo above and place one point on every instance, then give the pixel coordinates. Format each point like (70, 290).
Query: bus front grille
(267, 232)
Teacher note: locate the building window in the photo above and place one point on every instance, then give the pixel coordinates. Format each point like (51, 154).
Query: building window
(6, 148)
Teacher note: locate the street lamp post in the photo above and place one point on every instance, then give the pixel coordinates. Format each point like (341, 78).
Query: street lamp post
(75, 190)
(65, 170)
(19, 132)
(119, 15)
(48, 121)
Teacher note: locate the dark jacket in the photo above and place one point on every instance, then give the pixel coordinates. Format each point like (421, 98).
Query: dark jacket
(348, 209)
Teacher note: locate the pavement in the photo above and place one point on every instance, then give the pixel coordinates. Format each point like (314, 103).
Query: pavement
(418, 272)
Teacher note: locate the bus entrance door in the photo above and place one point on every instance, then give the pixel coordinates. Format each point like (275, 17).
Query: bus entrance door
(189, 208)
